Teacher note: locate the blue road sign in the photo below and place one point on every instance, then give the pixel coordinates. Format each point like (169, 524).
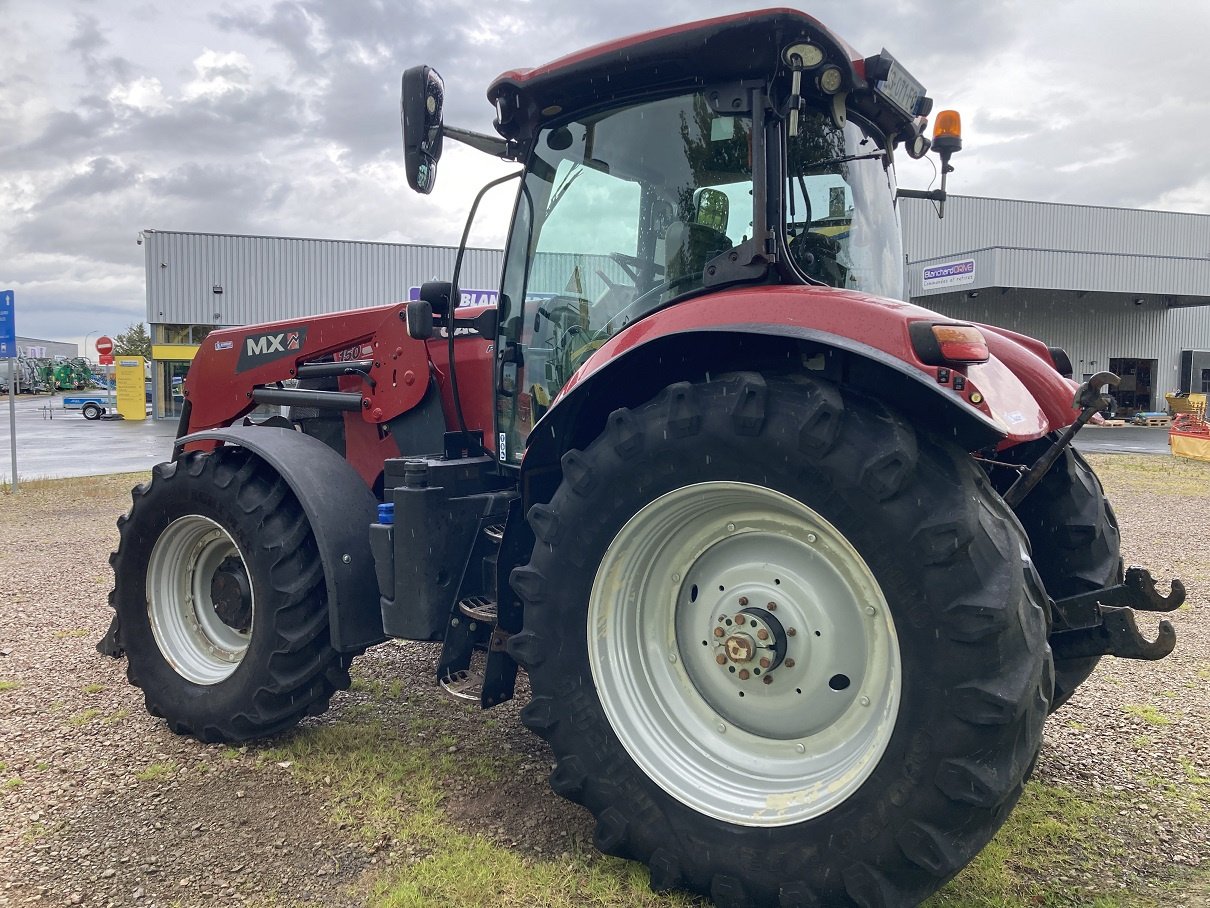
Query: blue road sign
(8, 325)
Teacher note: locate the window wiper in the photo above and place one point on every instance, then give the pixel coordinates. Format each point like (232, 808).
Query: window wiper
(832, 162)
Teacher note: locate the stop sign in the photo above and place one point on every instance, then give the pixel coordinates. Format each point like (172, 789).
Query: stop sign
(104, 345)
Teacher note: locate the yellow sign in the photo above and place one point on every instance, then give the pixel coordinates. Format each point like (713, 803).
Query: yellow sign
(131, 386)
(163, 352)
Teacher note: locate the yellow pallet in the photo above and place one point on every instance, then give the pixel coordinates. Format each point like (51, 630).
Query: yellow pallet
(1192, 403)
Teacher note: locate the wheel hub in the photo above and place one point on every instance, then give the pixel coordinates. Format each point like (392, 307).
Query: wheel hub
(200, 602)
(751, 643)
(231, 594)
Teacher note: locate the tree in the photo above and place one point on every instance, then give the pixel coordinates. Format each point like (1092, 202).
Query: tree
(134, 341)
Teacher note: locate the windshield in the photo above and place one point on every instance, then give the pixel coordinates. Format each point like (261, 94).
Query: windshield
(619, 213)
(842, 228)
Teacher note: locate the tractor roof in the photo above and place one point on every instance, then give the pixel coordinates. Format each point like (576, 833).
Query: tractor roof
(738, 46)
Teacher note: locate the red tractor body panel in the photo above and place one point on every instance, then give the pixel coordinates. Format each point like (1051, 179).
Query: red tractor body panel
(1017, 389)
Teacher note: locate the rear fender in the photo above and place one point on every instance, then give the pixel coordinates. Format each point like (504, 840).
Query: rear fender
(340, 510)
(639, 372)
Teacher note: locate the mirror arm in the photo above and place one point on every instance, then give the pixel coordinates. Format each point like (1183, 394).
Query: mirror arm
(931, 195)
(492, 145)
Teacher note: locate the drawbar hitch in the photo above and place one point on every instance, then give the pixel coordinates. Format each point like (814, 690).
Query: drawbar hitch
(1101, 623)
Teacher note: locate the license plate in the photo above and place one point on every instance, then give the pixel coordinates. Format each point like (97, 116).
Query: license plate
(901, 89)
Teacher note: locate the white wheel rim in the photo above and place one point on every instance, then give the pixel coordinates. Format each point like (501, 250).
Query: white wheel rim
(787, 750)
(188, 629)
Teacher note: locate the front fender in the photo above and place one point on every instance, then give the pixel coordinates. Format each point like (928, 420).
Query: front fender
(340, 509)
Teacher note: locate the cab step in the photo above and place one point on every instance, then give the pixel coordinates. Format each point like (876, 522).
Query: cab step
(465, 684)
(478, 608)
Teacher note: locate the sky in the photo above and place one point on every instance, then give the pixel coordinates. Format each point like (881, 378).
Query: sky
(282, 118)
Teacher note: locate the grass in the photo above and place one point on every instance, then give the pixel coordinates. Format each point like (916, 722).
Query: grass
(93, 688)
(154, 771)
(1148, 714)
(388, 788)
(1046, 854)
(385, 784)
(95, 487)
(9, 685)
(1167, 476)
(74, 633)
(83, 717)
(14, 782)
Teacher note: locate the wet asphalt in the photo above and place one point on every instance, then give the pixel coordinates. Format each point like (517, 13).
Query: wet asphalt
(53, 442)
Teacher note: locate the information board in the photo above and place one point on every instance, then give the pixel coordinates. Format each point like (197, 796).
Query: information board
(131, 387)
(8, 325)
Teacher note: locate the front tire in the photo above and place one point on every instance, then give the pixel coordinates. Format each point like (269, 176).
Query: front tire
(221, 600)
(904, 710)
(1075, 539)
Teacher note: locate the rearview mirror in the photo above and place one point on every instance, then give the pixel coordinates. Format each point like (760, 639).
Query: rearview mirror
(420, 111)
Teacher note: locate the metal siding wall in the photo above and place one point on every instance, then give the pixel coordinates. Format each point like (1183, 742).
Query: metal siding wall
(974, 223)
(276, 278)
(1053, 246)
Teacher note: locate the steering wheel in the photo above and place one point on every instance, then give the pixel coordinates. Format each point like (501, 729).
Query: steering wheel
(816, 254)
(633, 264)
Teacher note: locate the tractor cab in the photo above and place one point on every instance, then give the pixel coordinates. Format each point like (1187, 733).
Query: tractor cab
(745, 150)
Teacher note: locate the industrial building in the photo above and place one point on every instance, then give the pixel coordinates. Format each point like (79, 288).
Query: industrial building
(1119, 289)
(43, 349)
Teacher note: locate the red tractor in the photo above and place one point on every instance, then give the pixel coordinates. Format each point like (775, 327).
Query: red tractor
(796, 569)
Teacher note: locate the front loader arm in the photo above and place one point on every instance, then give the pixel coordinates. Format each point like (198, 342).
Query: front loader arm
(386, 373)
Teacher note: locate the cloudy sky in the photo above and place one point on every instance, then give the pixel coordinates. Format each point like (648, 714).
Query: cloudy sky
(282, 117)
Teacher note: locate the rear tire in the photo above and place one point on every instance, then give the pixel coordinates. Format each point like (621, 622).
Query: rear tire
(1075, 539)
(828, 504)
(91, 411)
(221, 600)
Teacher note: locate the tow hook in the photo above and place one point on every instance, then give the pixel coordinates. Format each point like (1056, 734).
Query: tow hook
(1101, 623)
(1090, 401)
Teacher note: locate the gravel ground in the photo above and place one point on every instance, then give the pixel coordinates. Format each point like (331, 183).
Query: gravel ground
(101, 805)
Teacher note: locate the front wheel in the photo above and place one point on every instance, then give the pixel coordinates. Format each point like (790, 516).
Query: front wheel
(221, 602)
(787, 650)
(1075, 539)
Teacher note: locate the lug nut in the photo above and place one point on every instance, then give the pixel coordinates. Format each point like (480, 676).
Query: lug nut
(719, 632)
(768, 679)
(762, 634)
(720, 659)
(764, 662)
(743, 600)
(772, 606)
(743, 674)
(789, 663)
(790, 632)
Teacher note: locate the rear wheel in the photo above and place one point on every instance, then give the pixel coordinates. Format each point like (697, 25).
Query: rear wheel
(91, 411)
(221, 602)
(786, 650)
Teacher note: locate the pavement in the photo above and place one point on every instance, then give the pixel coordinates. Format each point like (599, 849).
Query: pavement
(53, 443)
(1122, 440)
